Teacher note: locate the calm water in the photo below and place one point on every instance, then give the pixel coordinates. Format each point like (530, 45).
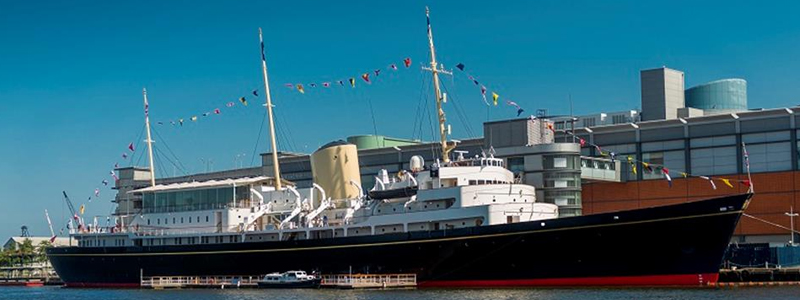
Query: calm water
(248, 294)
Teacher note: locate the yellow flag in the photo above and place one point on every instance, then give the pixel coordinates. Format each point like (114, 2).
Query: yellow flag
(194, 118)
(727, 182)
(243, 100)
(352, 81)
(83, 208)
(633, 165)
(495, 96)
(301, 89)
(684, 174)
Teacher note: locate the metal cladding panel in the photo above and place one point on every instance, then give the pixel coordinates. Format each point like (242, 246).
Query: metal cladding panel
(702, 130)
(624, 137)
(771, 124)
(661, 134)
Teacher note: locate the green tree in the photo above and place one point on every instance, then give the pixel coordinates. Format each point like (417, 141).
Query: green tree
(41, 250)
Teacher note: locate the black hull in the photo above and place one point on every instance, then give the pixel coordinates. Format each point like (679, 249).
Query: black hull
(680, 244)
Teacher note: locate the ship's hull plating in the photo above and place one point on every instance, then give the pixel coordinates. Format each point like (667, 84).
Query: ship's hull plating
(674, 245)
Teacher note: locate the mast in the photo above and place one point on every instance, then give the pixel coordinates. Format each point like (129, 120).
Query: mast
(149, 140)
(446, 148)
(276, 168)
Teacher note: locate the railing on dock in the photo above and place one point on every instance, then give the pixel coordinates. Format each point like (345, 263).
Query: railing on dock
(160, 282)
(357, 281)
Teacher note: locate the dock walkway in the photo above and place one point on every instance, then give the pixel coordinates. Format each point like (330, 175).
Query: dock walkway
(369, 281)
(340, 281)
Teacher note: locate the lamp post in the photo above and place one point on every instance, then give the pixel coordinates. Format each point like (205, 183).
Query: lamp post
(791, 215)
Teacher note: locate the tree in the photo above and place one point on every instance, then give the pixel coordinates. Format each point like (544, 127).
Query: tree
(41, 250)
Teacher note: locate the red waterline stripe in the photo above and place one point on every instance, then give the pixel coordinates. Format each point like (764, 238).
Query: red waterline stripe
(101, 285)
(650, 280)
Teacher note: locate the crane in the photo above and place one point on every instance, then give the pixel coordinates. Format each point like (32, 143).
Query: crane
(71, 207)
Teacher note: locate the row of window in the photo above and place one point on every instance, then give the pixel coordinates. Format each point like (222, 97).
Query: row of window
(175, 220)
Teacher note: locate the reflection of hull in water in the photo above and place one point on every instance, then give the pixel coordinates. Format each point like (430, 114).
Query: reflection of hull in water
(394, 193)
(676, 245)
(313, 283)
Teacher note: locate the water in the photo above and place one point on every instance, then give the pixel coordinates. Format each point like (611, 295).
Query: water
(46, 293)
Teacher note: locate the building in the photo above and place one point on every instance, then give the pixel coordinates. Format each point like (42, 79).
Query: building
(662, 93)
(15, 241)
(719, 97)
(711, 146)
(364, 142)
(598, 119)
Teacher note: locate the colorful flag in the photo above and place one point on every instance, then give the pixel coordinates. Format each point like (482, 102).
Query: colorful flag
(393, 67)
(230, 104)
(495, 96)
(746, 157)
(685, 175)
(377, 72)
(365, 76)
(352, 81)
(160, 123)
(633, 165)
(713, 185)
(647, 167)
(483, 93)
(341, 82)
(243, 100)
(326, 84)
(460, 66)
(205, 114)
(746, 182)
(550, 126)
(171, 122)
(313, 85)
(116, 165)
(599, 150)
(289, 85)
(612, 154)
(124, 155)
(583, 144)
(407, 62)
(146, 106)
(96, 192)
(666, 174)
(727, 182)
(475, 82)
(520, 111)
(105, 182)
(82, 209)
(217, 111)
(180, 121)
(255, 93)
(130, 146)
(194, 118)
(300, 88)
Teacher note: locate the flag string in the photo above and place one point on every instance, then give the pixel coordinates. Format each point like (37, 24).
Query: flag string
(648, 167)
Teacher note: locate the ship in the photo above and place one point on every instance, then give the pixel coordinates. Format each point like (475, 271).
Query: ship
(456, 221)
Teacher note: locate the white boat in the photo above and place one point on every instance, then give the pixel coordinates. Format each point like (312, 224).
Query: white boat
(290, 279)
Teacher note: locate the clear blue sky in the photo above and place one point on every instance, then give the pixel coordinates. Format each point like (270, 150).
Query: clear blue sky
(71, 74)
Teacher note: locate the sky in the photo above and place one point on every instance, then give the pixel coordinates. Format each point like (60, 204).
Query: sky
(72, 72)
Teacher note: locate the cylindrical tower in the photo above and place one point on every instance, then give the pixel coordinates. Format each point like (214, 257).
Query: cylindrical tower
(720, 96)
(334, 166)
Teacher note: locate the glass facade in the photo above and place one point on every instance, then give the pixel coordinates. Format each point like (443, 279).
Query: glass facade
(200, 199)
(727, 95)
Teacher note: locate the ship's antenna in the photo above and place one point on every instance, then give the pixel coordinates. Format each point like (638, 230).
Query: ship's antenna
(149, 140)
(446, 148)
(276, 168)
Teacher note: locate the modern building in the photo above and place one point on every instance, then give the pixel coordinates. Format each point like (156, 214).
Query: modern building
(364, 142)
(662, 93)
(719, 97)
(707, 146)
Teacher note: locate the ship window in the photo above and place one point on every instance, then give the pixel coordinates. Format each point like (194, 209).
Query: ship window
(198, 219)
(173, 220)
(181, 220)
(206, 218)
(190, 219)
(148, 221)
(158, 221)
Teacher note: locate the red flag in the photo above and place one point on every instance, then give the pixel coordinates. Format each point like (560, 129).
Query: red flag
(289, 85)
(216, 111)
(53, 239)
(583, 142)
(326, 84)
(230, 104)
(407, 62)
(365, 76)
(130, 146)
(746, 182)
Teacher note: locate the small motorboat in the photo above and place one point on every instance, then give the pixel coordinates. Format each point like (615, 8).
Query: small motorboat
(290, 279)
